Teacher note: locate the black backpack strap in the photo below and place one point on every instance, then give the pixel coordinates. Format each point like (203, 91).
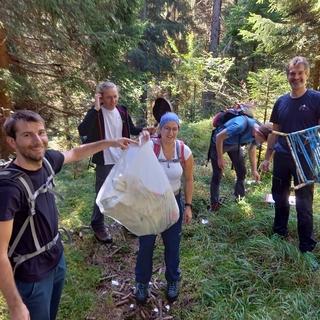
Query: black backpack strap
(210, 145)
(24, 182)
(22, 258)
(49, 185)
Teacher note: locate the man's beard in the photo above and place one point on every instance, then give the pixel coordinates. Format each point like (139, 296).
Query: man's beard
(297, 84)
(32, 156)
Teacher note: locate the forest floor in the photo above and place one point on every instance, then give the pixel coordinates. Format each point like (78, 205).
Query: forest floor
(232, 267)
(115, 287)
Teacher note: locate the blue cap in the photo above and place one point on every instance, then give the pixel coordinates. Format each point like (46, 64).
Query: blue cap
(167, 117)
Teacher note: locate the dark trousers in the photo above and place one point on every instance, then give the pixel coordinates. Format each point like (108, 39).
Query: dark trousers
(97, 218)
(236, 156)
(284, 169)
(171, 240)
(42, 297)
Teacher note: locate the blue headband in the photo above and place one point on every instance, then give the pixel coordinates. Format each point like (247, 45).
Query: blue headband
(167, 117)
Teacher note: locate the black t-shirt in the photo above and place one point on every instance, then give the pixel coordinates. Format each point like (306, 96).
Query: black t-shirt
(294, 114)
(13, 205)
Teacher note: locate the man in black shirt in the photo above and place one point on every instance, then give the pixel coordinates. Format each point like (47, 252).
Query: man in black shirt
(34, 288)
(294, 111)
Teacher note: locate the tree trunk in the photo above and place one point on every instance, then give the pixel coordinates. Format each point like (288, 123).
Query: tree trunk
(316, 75)
(266, 103)
(207, 103)
(144, 11)
(215, 27)
(5, 103)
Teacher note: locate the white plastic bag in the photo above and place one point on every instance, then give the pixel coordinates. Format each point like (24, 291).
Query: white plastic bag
(137, 193)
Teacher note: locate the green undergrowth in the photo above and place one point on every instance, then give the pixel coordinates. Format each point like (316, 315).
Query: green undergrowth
(235, 270)
(197, 136)
(79, 294)
(231, 267)
(76, 184)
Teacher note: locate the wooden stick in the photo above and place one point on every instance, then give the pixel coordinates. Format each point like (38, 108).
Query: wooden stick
(122, 286)
(301, 185)
(160, 309)
(143, 315)
(295, 132)
(127, 296)
(280, 133)
(114, 252)
(107, 277)
(117, 293)
(120, 303)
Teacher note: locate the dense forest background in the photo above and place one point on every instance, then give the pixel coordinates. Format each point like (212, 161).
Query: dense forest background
(203, 55)
(200, 54)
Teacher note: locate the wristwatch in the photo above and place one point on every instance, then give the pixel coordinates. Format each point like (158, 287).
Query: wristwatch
(188, 205)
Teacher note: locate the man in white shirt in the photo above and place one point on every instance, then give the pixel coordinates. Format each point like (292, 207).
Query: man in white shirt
(106, 120)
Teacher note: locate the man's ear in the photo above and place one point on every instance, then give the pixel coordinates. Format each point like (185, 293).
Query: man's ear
(11, 142)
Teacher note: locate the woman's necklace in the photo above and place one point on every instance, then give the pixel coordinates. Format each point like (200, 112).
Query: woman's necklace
(168, 152)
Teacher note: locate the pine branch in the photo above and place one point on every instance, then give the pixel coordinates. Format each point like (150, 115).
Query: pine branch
(68, 113)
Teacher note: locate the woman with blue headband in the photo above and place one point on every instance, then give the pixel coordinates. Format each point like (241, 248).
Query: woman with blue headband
(177, 161)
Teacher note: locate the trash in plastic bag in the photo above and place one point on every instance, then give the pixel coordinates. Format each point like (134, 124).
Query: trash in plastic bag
(137, 193)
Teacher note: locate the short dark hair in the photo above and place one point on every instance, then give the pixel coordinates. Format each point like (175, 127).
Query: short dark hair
(9, 125)
(296, 61)
(265, 129)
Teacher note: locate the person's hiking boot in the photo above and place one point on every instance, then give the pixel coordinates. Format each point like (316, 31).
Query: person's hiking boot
(172, 290)
(103, 235)
(311, 260)
(141, 292)
(215, 206)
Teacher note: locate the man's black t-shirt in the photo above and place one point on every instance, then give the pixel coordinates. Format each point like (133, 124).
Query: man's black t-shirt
(13, 205)
(295, 114)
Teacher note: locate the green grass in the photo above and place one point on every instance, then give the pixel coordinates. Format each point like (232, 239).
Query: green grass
(239, 272)
(79, 294)
(76, 185)
(231, 267)
(197, 136)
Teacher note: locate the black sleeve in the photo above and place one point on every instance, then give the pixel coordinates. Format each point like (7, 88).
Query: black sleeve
(133, 129)
(318, 106)
(274, 118)
(10, 201)
(56, 159)
(89, 123)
